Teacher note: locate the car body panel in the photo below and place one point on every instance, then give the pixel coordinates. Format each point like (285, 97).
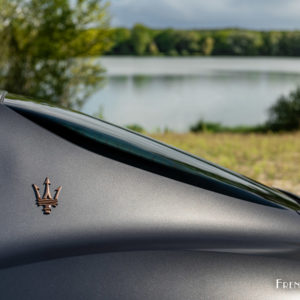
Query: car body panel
(118, 215)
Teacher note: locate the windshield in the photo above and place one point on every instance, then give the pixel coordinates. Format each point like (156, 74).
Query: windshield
(140, 151)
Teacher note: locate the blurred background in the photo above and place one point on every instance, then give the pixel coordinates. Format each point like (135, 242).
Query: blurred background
(219, 78)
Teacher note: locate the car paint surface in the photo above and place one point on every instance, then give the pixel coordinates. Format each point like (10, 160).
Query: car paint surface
(135, 219)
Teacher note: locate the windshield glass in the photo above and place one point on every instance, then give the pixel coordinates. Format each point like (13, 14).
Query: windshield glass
(132, 148)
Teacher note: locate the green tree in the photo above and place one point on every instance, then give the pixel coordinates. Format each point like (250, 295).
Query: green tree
(290, 43)
(166, 41)
(153, 50)
(140, 39)
(285, 113)
(270, 43)
(207, 45)
(187, 42)
(221, 46)
(244, 43)
(122, 41)
(43, 45)
(136, 127)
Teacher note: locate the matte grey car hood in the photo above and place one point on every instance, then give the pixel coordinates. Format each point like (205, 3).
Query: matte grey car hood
(154, 206)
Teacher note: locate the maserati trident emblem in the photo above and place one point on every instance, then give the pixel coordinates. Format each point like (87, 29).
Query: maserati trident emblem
(47, 201)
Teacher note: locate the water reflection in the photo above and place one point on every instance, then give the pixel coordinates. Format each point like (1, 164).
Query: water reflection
(215, 90)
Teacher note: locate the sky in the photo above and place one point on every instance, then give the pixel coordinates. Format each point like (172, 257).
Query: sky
(189, 14)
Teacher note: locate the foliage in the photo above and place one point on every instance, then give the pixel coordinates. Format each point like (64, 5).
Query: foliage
(187, 43)
(123, 36)
(141, 40)
(203, 126)
(42, 43)
(244, 43)
(136, 127)
(285, 113)
(258, 156)
(100, 113)
(207, 45)
(166, 41)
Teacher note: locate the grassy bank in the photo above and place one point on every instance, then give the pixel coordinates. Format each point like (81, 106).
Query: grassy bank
(273, 159)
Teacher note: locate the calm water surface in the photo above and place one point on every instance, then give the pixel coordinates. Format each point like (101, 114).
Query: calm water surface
(176, 92)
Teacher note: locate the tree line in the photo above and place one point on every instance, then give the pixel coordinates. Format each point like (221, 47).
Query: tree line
(142, 40)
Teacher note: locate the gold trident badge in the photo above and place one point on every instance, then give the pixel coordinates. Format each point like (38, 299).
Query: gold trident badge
(47, 201)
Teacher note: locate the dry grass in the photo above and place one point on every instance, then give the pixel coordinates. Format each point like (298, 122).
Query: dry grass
(273, 159)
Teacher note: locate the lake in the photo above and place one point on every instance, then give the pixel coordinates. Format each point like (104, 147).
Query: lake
(175, 92)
